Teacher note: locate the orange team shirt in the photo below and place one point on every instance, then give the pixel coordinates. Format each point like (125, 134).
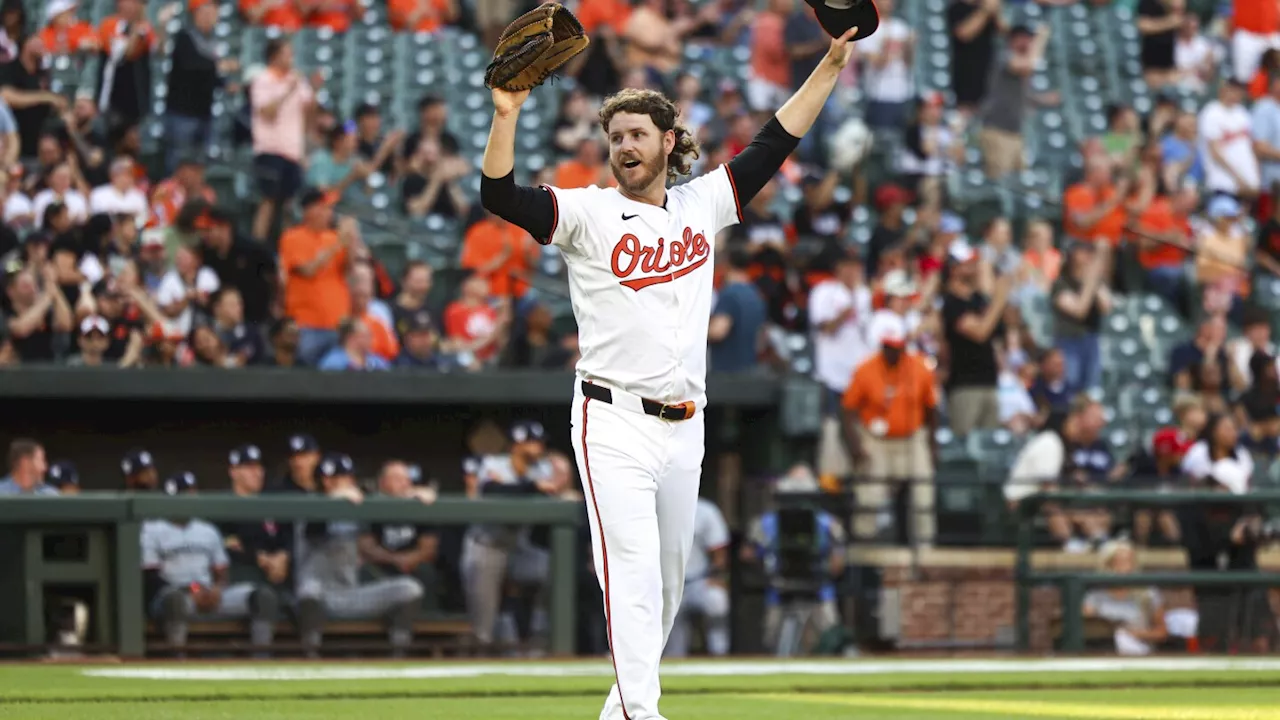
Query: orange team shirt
(1260, 17)
(110, 30)
(463, 322)
(400, 10)
(322, 300)
(1048, 263)
(594, 13)
(485, 241)
(167, 200)
(337, 19)
(1083, 198)
(769, 58)
(1258, 85)
(385, 344)
(284, 15)
(77, 36)
(1159, 219)
(572, 174)
(899, 396)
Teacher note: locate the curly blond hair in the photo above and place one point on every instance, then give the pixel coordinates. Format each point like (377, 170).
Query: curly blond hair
(664, 115)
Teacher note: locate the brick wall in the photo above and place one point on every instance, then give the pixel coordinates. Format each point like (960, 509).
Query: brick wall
(977, 604)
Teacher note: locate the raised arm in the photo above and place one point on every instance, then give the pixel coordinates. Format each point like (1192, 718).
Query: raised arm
(762, 159)
(532, 209)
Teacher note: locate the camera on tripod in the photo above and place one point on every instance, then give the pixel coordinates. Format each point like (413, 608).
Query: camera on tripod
(797, 569)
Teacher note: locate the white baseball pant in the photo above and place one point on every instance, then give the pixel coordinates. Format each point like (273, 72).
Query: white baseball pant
(640, 476)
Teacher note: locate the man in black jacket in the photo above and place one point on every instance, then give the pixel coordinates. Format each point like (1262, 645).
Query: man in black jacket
(195, 74)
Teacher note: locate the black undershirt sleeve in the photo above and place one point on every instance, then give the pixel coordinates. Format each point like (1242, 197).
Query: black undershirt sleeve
(761, 160)
(530, 208)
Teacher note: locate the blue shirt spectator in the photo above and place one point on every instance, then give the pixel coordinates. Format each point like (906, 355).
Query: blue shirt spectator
(339, 359)
(737, 320)
(1266, 129)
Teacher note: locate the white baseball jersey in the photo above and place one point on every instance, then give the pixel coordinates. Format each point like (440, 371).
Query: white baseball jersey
(710, 533)
(640, 278)
(838, 354)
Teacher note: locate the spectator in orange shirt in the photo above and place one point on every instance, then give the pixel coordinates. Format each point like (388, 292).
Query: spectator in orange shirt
(890, 411)
(610, 13)
(475, 324)
(1095, 207)
(1268, 68)
(169, 196)
(1256, 25)
(421, 16)
(1164, 237)
(384, 345)
(769, 83)
(314, 258)
(500, 253)
(125, 41)
(333, 14)
(283, 14)
(65, 33)
(585, 168)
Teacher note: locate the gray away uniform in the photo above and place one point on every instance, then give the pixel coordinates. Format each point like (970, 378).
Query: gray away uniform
(329, 586)
(186, 554)
(494, 553)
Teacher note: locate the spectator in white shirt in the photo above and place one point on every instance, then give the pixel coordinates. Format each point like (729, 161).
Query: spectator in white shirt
(121, 195)
(61, 189)
(1226, 144)
(887, 65)
(1194, 57)
(839, 313)
(186, 287)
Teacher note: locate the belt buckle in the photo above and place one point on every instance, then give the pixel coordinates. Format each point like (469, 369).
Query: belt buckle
(681, 408)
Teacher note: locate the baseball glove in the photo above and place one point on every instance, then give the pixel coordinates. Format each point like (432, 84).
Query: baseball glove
(533, 47)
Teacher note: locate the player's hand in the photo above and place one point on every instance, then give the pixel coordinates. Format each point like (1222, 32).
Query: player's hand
(507, 103)
(841, 50)
(208, 599)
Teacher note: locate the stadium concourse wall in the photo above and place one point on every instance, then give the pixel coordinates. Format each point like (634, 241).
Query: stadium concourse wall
(190, 418)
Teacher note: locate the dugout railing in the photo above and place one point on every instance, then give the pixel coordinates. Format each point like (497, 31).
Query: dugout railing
(92, 541)
(1072, 585)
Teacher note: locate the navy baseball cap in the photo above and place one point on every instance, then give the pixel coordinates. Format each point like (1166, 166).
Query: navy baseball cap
(62, 474)
(526, 431)
(244, 455)
(302, 442)
(335, 465)
(178, 483)
(136, 460)
(415, 474)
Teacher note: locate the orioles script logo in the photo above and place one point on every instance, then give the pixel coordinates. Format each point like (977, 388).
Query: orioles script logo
(669, 262)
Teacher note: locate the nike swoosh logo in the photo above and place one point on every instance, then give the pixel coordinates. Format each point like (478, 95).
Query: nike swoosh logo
(629, 217)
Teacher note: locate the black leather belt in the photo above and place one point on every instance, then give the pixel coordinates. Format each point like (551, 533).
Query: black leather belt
(674, 413)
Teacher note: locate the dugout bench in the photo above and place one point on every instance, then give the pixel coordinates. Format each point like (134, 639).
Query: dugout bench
(90, 545)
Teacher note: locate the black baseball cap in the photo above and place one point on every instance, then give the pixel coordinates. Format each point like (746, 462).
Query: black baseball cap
(335, 465)
(244, 455)
(526, 431)
(178, 483)
(136, 460)
(301, 443)
(62, 474)
(420, 322)
(838, 16)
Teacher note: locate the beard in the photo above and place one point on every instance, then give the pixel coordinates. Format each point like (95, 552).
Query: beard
(639, 178)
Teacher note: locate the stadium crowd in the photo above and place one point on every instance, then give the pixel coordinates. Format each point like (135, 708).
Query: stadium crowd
(112, 258)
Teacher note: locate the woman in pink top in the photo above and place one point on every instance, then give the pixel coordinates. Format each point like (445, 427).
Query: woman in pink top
(282, 100)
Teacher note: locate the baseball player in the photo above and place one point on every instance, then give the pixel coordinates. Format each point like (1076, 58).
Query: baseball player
(639, 258)
(258, 549)
(139, 469)
(328, 572)
(705, 591)
(185, 573)
(492, 555)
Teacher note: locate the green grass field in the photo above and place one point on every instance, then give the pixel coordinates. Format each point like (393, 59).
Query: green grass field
(1180, 689)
